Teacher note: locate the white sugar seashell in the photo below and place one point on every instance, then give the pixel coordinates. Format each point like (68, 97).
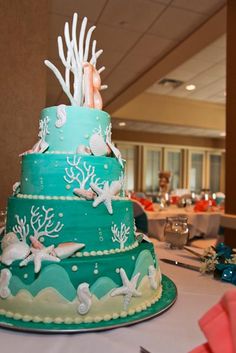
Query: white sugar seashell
(16, 188)
(9, 238)
(16, 251)
(115, 187)
(81, 149)
(61, 116)
(40, 147)
(84, 296)
(97, 145)
(43, 146)
(116, 152)
(65, 250)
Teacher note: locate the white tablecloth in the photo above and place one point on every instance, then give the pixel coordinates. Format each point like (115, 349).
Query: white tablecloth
(175, 330)
(201, 223)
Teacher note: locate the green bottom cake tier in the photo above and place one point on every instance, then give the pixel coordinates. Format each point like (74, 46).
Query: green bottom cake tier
(88, 289)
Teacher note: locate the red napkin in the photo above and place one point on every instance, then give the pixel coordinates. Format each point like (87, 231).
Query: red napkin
(219, 326)
(147, 204)
(204, 205)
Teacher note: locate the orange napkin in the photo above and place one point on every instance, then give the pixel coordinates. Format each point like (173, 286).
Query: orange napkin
(219, 326)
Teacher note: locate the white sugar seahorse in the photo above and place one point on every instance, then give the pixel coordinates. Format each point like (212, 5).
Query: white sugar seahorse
(152, 276)
(61, 115)
(85, 298)
(5, 277)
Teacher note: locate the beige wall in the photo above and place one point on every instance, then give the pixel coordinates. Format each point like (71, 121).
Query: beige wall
(23, 47)
(165, 139)
(171, 110)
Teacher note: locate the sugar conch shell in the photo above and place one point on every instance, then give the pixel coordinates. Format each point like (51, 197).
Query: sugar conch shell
(87, 194)
(36, 243)
(65, 250)
(16, 251)
(98, 146)
(9, 238)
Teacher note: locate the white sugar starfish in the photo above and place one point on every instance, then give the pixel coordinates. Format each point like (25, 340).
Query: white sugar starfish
(106, 195)
(128, 289)
(38, 256)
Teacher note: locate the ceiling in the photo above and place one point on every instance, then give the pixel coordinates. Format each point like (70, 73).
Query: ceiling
(136, 35)
(206, 70)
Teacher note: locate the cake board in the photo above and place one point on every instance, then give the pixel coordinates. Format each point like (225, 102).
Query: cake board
(168, 298)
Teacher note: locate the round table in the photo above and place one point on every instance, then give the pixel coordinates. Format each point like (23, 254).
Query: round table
(200, 223)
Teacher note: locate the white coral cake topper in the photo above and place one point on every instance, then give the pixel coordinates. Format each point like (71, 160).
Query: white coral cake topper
(86, 78)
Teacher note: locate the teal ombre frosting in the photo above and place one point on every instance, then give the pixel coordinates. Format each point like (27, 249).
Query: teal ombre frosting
(82, 222)
(49, 174)
(81, 123)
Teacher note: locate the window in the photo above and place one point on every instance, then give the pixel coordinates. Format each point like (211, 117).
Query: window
(128, 153)
(153, 166)
(215, 172)
(196, 171)
(173, 164)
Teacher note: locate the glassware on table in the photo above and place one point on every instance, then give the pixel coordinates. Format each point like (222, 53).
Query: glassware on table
(176, 231)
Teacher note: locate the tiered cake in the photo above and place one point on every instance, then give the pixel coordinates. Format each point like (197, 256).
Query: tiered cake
(70, 253)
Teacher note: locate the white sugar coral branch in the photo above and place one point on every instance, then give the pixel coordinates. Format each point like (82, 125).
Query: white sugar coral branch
(77, 55)
(120, 235)
(103, 87)
(74, 40)
(95, 56)
(21, 228)
(101, 69)
(82, 174)
(75, 66)
(88, 38)
(42, 223)
(61, 80)
(81, 38)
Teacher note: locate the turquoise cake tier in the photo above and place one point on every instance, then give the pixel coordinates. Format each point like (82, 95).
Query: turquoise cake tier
(79, 124)
(62, 220)
(60, 174)
(78, 290)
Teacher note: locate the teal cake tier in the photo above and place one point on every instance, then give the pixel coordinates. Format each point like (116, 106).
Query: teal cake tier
(60, 174)
(79, 123)
(78, 290)
(55, 221)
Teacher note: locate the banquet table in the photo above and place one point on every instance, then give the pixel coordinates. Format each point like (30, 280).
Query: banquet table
(200, 223)
(175, 330)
